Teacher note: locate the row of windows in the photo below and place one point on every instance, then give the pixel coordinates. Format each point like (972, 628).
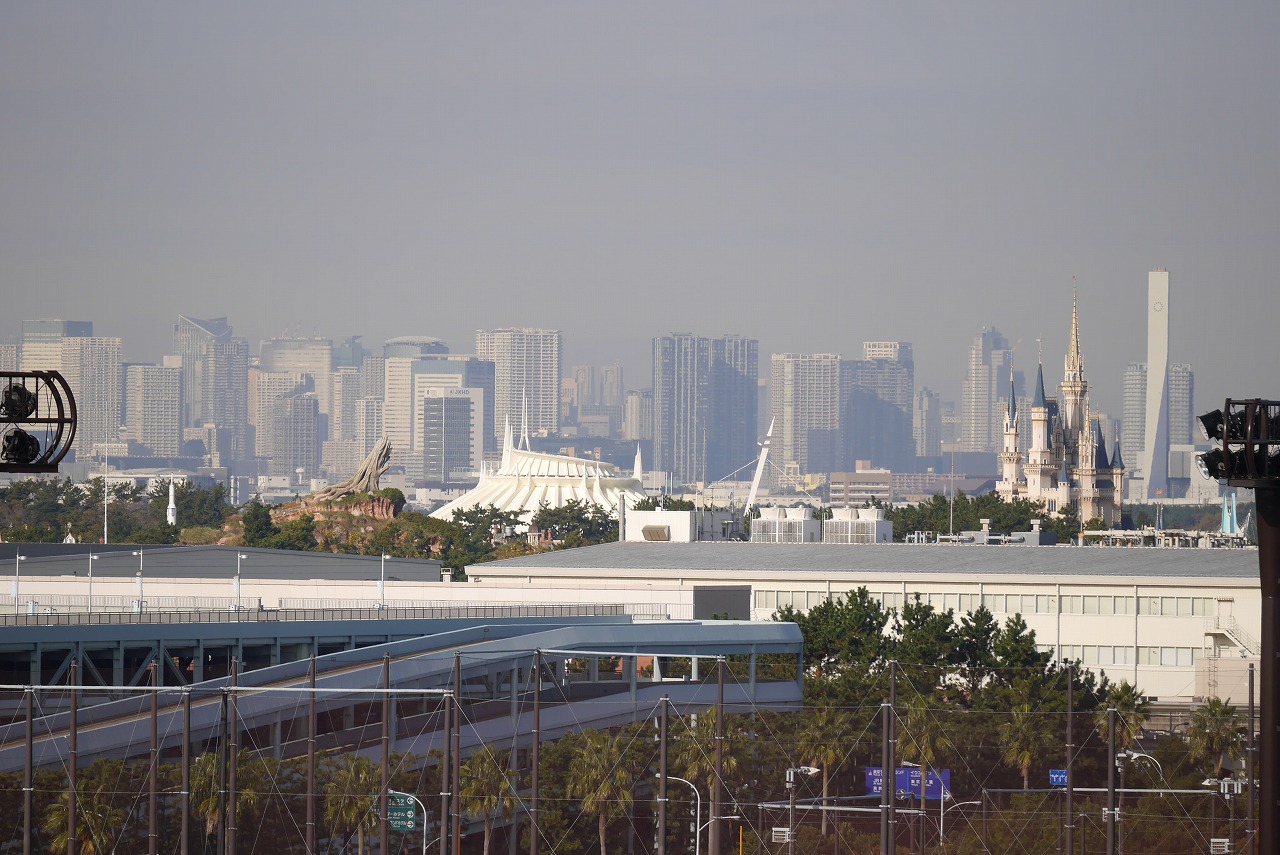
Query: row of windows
(1025, 604)
(1101, 654)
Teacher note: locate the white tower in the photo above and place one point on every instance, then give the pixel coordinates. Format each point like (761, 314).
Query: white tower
(171, 512)
(1154, 463)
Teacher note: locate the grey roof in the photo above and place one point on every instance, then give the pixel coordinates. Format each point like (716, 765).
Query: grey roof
(731, 556)
(1100, 459)
(1039, 399)
(210, 562)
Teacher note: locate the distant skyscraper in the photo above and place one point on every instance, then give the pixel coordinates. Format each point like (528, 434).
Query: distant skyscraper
(153, 412)
(988, 372)
(611, 389)
(42, 342)
(215, 376)
(91, 367)
(1133, 426)
(526, 369)
(311, 356)
(452, 438)
(1154, 463)
(264, 389)
(414, 345)
(345, 386)
(704, 405)
(295, 436)
(805, 401)
(1180, 407)
(8, 353)
(1182, 383)
(637, 423)
(927, 423)
(735, 389)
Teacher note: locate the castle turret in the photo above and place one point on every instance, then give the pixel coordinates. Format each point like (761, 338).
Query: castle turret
(1040, 470)
(1010, 456)
(1072, 405)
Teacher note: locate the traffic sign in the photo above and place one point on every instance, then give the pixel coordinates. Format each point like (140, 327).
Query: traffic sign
(402, 811)
(1057, 777)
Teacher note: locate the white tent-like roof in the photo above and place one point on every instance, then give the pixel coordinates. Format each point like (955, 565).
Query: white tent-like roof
(526, 479)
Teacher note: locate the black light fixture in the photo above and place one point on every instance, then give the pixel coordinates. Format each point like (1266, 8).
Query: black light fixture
(19, 447)
(17, 402)
(1211, 464)
(1211, 425)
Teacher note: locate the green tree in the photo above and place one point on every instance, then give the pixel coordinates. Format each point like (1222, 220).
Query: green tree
(1214, 735)
(576, 523)
(1131, 714)
(351, 798)
(823, 743)
(252, 780)
(1026, 739)
(601, 778)
(488, 789)
(258, 527)
(106, 794)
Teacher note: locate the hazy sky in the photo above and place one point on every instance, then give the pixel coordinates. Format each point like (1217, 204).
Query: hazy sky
(812, 175)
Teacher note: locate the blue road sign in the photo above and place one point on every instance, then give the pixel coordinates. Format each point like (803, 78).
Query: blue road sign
(1057, 777)
(908, 782)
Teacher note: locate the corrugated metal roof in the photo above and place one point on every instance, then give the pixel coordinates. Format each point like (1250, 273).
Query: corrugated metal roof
(728, 556)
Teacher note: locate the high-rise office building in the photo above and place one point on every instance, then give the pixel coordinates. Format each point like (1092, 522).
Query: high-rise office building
(704, 405)
(215, 377)
(526, 378)
(91, 366)
(41, 348)
(612, 392)
(264, 389)
(368, 424)
(412, 346)
(295, 436)
(294, 355)
(926, 423)
(452, 440)
(153, 408)
(637, 422)
(888, 369)
(345, 391)
(8, 353)
(1133, 425)
(1180, 408)
(1182, 382)
(805, 400)
(985, 384)
(735, 391)
(1154, 462)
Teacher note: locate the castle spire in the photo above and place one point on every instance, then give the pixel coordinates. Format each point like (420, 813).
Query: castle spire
(1013, 400)
(1074, 365)
(1039, 400)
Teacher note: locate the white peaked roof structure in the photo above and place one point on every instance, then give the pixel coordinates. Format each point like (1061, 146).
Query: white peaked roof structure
(526, 479)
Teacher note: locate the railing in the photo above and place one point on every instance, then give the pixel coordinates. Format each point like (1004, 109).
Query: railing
(1228, 626)
(259, 615)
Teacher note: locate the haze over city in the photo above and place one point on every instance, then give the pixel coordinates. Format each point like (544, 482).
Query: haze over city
(812, 176)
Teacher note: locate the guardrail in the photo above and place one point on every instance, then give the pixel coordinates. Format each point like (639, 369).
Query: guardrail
(260, 615)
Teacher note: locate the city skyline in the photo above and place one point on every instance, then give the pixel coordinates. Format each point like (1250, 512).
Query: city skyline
(810, 178)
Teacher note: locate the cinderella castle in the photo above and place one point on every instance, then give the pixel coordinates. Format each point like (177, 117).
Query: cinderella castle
(1066, 461)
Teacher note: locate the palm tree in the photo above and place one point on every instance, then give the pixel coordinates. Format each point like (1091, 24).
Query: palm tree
(695, 752)
(206, 782)
(351, 799)
(600, 778)
(821, 743)
(487, 788)
(1214, 734)
(1131, 714)
(1026, 739)
(102, 814)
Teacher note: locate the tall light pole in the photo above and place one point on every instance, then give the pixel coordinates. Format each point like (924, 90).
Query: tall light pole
(92, 558)
(235, 583)
(697, 814)
(382, 583)
(105, 494)
(141, 601)
(791, 804)
(17, 579)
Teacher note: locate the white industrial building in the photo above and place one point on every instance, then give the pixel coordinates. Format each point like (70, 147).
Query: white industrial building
(1178, 623)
